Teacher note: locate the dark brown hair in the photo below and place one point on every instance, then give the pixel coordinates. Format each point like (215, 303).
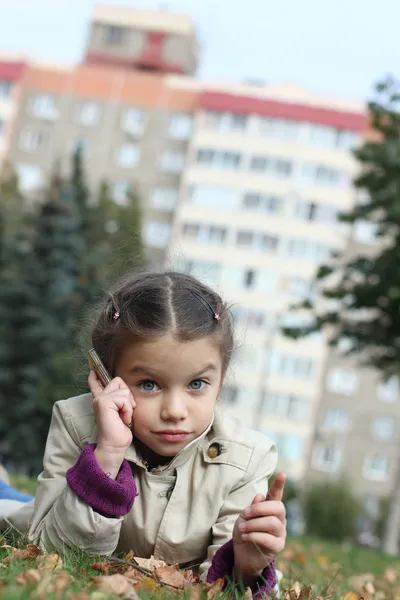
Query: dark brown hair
(154, 304)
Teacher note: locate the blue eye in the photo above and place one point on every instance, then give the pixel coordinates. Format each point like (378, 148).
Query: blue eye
(148, 386)
(197, 384)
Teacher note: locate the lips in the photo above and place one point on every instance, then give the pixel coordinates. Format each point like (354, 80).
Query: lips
(171, 435)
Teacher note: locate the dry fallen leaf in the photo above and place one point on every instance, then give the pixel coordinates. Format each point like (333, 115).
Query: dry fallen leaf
(368, 588)
(128, 557)
(150, 563)
(79, 596)
(116, 585)
(194, 594)
(50, 562)
(248, 595)
(171, 575)
(390, 575)
(103, 567)
(305, 593)
(215, 588)
(28, 553)
(351, 596)
(30, 576)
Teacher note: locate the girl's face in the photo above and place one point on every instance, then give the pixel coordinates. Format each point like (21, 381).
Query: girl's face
(175, 386)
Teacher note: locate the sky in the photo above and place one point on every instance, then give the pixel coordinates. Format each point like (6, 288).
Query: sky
(331, 47)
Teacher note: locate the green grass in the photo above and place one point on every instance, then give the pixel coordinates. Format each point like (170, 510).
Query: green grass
(24, 484)
(332, 569)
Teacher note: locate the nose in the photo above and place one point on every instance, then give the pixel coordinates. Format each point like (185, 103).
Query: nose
(173, 407)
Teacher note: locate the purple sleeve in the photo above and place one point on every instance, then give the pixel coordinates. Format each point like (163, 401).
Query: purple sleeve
(108, 497)
(223, 564)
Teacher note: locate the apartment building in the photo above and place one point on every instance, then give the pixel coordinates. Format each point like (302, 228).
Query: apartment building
(268, 169)
(240, 185)
(357, 426)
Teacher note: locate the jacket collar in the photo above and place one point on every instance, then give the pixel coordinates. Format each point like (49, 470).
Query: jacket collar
(178, 460)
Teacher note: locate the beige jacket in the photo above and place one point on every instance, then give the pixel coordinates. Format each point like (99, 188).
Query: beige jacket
(184, 511)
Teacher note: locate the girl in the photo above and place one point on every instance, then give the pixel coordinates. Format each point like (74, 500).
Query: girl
(148, 463)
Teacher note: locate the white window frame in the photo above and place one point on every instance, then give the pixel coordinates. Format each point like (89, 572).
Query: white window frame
(120, 191)
(88, 113)
(156, 234)
(32, 140)
(319, 461)
(128, 155)
(35, 182)
(172, 161)
(180, 126)
(133, 121)
(43, 106)
(6, 87)
(336, 419)
(388, 391)
(375, 474)
(336, 381)
(383, 427)
(164, 198)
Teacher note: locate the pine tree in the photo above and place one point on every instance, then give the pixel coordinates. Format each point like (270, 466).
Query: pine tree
(366, 288)
(11, 200)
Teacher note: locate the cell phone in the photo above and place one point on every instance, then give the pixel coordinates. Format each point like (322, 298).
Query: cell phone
(98, 367)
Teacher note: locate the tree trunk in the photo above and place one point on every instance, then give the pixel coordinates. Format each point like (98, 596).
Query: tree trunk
(390, 542)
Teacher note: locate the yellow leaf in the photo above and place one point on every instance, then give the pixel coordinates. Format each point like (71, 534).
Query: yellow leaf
(116, 585)
(351, 596)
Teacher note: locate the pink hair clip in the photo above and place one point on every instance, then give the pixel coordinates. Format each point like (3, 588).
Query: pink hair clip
(116, 316)
(217, 316)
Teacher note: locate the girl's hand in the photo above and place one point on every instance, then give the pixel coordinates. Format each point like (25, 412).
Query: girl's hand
(113, 410)
(260, 532)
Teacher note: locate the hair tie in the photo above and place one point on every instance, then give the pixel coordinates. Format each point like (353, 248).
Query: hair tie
(116, 316)
(208, 306)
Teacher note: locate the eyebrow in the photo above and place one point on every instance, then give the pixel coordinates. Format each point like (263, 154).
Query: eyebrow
(148, 371)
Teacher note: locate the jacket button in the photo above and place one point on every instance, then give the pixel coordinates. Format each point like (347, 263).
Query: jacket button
(214, 451)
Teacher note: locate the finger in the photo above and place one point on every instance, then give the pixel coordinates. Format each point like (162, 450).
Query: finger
(266, 509)
(125, 408)
(94, 384)
(271, 525)
(267, 544)
(258, 498)
(276, 490)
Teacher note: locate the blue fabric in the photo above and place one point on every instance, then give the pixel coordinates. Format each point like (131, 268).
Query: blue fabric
(7, 492)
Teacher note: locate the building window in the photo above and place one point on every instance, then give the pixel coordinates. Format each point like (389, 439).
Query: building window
(133, 121)
(32, 140)
(43, 106)
(336, 419)
(248, 317)
(290, 365)
(342, 380)
(376, 467)
(290, 447)
(244, 238)
(257, 241)
(205, 156)
(258, 164)
(269, 242)
(249, 278)
(265, 203)
(208, 234)
(114, 35)
(120, 190)
(30, 177)
(388, 391)
(164, 198)
(230, 160)
(372, 505)
(347, 140)
(327, 457)
(383, 428)
(237, 122)
(172, 162)
(207, 271)
(214, 119)
(217, 198)
(287, 406)
(315, 174)
(302, 248)
(89, 113)
(128, 155)
(180, 126)
(157, 234)
(299, 287)
(80, 145)
(279, 128)
(229, 395)
(5, 89)
(1, 127)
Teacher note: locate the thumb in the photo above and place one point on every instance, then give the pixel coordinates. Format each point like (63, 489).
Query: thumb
(276, 490)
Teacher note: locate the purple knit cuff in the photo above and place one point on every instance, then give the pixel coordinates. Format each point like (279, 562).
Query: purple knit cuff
(108, 497)
(223, 564)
